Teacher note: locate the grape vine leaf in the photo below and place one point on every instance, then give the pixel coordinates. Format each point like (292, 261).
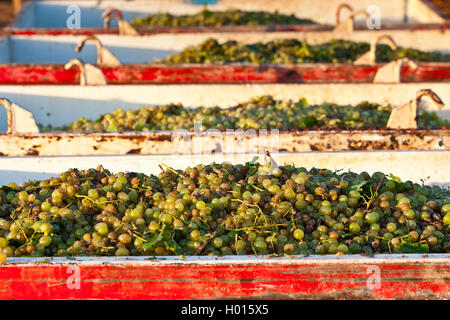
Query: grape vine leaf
(157, 237)
(174, 247)
(7, 189)
(395, 178)
(154, 239)
(368, 189)
(252, 162)
(358, 187)
(399, 186)
(410, 247)
(157, 179)
(253, 167)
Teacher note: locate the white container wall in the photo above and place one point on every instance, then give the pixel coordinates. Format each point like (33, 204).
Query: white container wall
(60, 105)
(431, 166)
(53, 14)
(47, 49)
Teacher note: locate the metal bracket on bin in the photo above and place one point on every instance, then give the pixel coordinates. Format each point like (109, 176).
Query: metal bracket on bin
(89, 75)
(369, 58)
(390, 72)
(405, 116)
(348, 24)
(104, 57)
(19, 119)
(124, 27)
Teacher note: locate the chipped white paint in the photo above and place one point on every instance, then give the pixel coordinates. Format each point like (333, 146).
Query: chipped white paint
(235, 260)
(165, 142)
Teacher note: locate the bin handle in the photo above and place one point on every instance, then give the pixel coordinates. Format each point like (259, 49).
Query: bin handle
(347, 25)
(26, 119)
(124, 27)
(392, 71)
(89, 74)
(339, 9)
(369, 58)
(104, 56)
(405, 116)
(7, 104)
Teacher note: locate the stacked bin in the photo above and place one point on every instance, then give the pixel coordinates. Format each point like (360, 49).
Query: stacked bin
(41, 87)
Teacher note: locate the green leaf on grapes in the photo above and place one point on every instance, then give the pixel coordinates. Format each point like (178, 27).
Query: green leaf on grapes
(310, 122)
(395, 178)
(252, 162)
(154, 239)
(253, 170)
(253, 167)
(368, 189)
(358, 187)
(399, 185)
(158, 180)
(174, 247)
(7, 189)
(410, 247)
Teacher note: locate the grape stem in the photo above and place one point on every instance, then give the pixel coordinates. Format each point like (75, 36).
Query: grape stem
(199, 250)
(172, 170)
(375, 193)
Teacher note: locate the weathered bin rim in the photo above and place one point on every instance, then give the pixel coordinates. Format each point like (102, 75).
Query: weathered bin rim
(272, 28)
(234, 260)
(224, 156)
(235, 131)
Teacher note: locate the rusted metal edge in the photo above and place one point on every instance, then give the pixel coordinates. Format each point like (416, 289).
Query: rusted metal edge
(166, 142)
(432, 258)
(331, 131)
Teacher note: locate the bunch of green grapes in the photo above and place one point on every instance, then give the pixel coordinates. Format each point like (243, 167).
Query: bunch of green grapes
(222, 209)
(293, 51)
(219, 19)
(258, 113)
